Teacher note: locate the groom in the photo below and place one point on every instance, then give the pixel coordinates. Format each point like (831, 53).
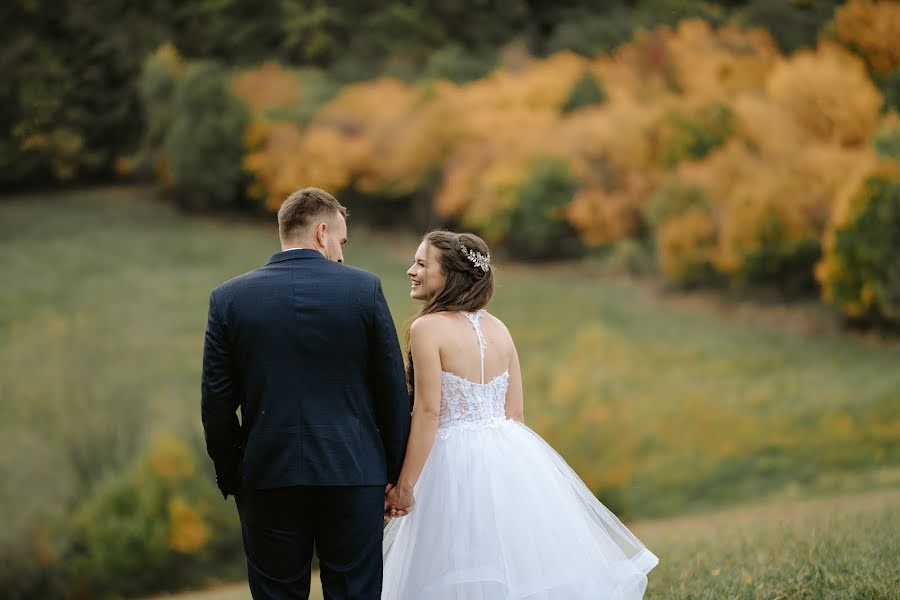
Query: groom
(306, 348)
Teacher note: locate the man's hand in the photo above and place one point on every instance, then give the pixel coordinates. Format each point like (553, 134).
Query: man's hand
(387, 507)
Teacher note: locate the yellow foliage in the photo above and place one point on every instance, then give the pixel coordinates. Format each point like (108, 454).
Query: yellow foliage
(610, 151)
(341, 147)
(716, 64)
(603, 217)
(686, 245)
(790, 191)
(290, 158)
(641, 71)
(795, 132)
(267, 86)
(828, 92)
(188, 532)
(768, 126)
(170, 458)
(873, 28)
(720, 172)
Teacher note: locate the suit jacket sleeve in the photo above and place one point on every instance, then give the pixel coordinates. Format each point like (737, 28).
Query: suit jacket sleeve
(218, 403)
(389, 386)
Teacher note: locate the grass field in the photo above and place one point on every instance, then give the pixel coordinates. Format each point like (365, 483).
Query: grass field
(843, 548)
(666, 407)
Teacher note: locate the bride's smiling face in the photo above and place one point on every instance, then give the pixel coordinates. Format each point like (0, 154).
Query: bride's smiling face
(426, 274)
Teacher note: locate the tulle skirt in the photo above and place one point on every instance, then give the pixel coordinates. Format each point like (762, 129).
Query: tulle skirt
(499, 515)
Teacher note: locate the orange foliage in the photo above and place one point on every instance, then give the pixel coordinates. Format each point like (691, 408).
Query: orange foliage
(716, 64)
(170, 458)
(288, 158)
(641, 71)
(188, 532)
(267, 86)
(828, 93)
(501, 124)
(873, 28)
(768, 140)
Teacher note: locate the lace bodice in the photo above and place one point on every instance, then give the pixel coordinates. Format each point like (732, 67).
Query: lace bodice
(471, 404)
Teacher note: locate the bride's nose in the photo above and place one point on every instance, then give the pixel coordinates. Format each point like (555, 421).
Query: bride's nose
(410, 271)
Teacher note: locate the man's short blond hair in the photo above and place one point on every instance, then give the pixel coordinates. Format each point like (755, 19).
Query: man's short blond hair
(303, 207)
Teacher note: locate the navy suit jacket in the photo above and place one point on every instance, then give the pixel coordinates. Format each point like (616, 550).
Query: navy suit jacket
(307, 349)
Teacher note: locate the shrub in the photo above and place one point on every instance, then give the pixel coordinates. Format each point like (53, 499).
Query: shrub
(685, 235)
(204, 143)
(149, 528)
(890, 88)
(585, 92)
(794, 25)
(779, 261)
(686, 247)
(587, 33)
(766, 236)
(813, 87)
(871, 28)
(887, 140)
(537, 225)
(159, 80)
(860, 272)
(691, 136)
(457, 64)
(670, 200)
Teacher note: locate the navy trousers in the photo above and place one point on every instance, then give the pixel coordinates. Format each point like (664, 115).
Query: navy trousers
(281, 526)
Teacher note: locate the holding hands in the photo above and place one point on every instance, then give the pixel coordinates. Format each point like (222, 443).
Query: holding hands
(398, 500)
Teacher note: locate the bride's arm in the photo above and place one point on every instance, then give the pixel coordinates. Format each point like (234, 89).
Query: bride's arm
(515, 401)
(426, 410)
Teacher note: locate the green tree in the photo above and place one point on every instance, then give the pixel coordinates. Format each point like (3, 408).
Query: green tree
(204, 144)
(537, 227)
(585, 91)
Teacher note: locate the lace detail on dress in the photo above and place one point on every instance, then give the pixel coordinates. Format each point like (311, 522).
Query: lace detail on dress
(468, 404)
(474, 318)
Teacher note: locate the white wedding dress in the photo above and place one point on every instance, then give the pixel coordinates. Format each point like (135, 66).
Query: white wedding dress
(499, 515)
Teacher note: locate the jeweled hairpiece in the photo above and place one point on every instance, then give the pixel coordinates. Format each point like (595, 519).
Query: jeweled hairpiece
(477, 258)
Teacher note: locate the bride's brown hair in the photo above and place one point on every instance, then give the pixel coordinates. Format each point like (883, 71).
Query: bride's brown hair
(467, 288)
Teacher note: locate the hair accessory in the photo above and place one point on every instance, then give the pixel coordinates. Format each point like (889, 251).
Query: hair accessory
(477, 258)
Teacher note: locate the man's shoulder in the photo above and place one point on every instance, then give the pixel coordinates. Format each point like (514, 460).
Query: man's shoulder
(236, 283)
(335, 271)
(365, 280)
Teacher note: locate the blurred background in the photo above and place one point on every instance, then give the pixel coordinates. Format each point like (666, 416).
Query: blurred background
(694, 209)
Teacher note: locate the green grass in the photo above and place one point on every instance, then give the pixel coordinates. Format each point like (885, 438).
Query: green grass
(843, 548)
(664, 407)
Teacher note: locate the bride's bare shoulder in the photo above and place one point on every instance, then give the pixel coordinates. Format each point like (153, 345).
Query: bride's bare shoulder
(427, 324)
(497, 322)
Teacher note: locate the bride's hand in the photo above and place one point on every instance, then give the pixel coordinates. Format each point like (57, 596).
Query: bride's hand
(400, 500)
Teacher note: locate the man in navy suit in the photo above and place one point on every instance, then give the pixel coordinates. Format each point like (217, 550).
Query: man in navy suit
(306, 347)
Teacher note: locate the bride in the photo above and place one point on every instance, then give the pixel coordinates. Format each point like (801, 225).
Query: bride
(494, 513)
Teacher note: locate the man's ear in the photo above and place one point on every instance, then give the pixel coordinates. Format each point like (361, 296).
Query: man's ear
(321, 233)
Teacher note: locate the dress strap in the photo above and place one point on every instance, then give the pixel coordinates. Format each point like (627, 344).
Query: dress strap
(482, 344)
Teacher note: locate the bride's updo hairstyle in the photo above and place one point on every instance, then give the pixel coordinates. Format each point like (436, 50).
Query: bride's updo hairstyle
(465, 260)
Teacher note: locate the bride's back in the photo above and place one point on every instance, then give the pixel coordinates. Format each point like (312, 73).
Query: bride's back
(459, 347)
